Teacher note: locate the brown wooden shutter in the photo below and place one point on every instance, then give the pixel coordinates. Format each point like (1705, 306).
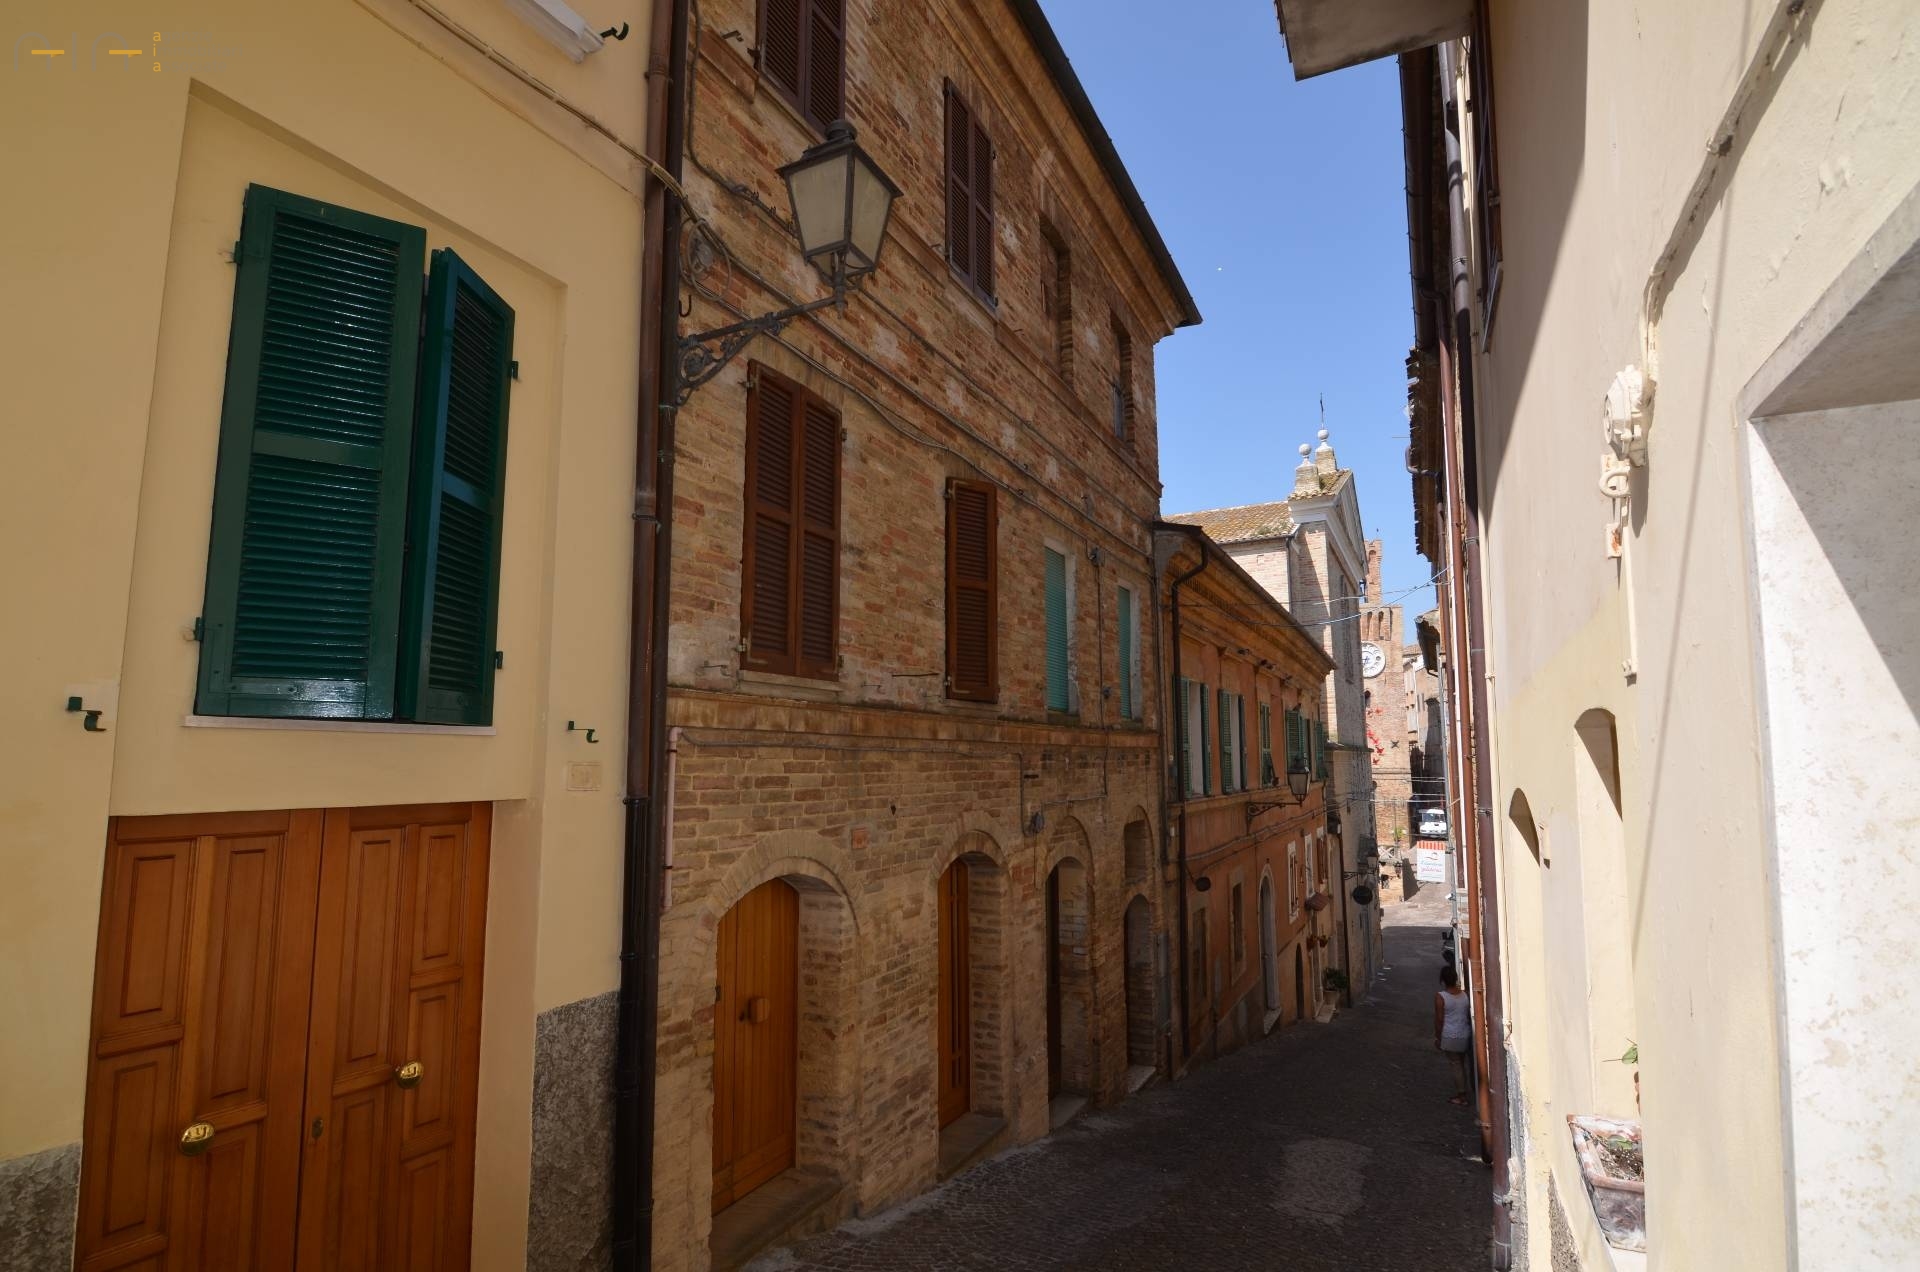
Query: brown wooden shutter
(780, 43)
(982, 209)
(766, 589)
(973, 602)
(826, 53)
(818, 584)
(959, 183)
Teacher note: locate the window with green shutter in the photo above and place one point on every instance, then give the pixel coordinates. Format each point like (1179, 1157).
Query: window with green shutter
(1127, 695)
(451, 592)
(326, 425)
(1267, 777)
(1224, 710)
(1296, 740)
(1240, 737)
(1183, 706)
(1059, 695)
(1206, 775)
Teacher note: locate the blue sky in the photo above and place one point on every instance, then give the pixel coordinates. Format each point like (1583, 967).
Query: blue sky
(1285, 207)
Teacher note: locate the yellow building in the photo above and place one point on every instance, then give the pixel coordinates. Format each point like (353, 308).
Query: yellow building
(1666, 430)
(313, 312)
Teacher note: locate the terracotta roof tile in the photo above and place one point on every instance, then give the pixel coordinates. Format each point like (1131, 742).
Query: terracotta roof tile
(1245, 524)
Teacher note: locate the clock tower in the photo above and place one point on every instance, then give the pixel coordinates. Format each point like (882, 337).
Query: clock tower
(1388, 689)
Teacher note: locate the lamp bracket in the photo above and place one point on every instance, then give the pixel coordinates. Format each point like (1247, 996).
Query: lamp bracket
(705, 353)
(1257, 807)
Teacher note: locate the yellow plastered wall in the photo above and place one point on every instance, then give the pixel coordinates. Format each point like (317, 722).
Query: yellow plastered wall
(119, 212)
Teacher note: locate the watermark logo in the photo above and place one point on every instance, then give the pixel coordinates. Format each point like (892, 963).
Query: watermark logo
(152, 52)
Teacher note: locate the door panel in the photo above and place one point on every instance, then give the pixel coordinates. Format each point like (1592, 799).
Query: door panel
(200, 1009)
(755, 1041)
(1053, 984)
(389, 1180)
(956, 996)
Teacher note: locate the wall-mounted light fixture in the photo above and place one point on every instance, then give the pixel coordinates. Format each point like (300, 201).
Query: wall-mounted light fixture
(841, 202)
(563, 28)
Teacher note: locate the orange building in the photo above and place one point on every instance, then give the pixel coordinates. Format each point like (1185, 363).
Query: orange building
(1252, 891)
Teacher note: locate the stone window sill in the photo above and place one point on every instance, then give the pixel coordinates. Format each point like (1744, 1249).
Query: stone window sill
(284, 724)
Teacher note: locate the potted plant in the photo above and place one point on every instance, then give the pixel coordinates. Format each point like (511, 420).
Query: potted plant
(1334, 979)
(1615, 1173)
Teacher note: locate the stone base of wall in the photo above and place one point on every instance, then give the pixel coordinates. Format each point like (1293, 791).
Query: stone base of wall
(39, 1199)
(570, 1201)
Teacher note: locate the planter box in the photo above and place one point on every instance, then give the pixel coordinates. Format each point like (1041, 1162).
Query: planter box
(1619, 1203)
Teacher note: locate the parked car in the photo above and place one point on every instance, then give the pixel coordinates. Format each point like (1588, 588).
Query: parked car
(1433, 823)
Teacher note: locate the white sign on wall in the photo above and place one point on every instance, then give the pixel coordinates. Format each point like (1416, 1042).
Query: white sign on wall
(1430, 865)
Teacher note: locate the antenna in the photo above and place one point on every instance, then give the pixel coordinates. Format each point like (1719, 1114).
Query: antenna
(1323, 410)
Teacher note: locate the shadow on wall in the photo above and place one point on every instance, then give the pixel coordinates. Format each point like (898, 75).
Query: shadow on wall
(1540, 76)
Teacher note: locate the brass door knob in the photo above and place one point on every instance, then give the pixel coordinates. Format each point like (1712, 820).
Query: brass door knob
(409, 1074)
(196, 1139)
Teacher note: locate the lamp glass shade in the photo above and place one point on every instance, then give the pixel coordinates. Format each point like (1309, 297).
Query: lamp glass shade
(818, 190)
(1297, 782)
(872, 201)
(841, 202)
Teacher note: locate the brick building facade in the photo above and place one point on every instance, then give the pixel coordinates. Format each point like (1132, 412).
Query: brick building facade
(1389, 686)
(914, 735)
(1253, 892)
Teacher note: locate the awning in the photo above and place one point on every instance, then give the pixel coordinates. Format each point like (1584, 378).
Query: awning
(1326, 35)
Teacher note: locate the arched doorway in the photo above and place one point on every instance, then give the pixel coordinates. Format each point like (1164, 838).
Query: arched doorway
(955, 1009)
(1269, 957)
(1069, 982)
(755, 1041)
(1140, 1006)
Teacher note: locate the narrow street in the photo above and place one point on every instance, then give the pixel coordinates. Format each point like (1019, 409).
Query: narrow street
(1325, 1146)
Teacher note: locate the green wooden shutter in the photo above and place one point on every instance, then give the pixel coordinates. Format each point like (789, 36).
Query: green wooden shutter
(1266, 744)
(316, 432)
(1186, 739)
(1206, 770)
(1058, 699)
(1126, 653)
(450, 609)
(1224, 705)
(1296, 741)
(1240, 737)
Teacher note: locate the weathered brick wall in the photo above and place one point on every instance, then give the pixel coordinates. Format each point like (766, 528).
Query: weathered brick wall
(864, 788)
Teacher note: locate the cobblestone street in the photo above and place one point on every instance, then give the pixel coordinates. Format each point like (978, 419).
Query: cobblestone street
(1324, 1146)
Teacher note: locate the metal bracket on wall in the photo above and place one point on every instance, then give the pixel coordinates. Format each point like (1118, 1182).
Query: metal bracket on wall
(91, 720)
(576, 728)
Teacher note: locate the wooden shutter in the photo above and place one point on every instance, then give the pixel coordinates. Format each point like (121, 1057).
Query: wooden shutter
(1296, 743)
(1125, 607)
(969, 195)
(780, 27)
(803, 53)
(959, 183)
(1240, 737)
(1059, 697)
(818, 581)
(1224, 703)
(982, 157)
(790, 560)
(1186, 740)
(1266, 744)
(316, 431)
(1206, 771)
(826, 54)
(451, 597)
(973, 602)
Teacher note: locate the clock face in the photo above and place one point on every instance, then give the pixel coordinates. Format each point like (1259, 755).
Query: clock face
(1372, 660)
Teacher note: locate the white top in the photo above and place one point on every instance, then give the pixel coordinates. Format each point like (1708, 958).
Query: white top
(1454, 1026)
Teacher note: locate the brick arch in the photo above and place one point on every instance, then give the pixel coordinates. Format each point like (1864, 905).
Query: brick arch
(830, 1009)
(971, 843)
(1068, 841)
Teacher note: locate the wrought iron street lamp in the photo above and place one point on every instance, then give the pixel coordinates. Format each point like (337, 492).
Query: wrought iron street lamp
(841, 202)
(1297, 779)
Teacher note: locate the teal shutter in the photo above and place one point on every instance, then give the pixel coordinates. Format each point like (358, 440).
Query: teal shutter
(451, 596)
(1186, 739)
(1224, 704)
(1058, 699)
(1206, 774)
(1296, 741)
(1266, 744)
(1126, 654)
(316, 429)
(1240, 737)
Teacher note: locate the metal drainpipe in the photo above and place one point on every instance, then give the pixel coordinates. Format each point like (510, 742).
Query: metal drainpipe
(1487, 921)
(1173, 603)
(637, 1028)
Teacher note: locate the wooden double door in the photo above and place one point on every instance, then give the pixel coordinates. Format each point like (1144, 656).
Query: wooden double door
(756, 1041)
(286, 1029)
(956, 996)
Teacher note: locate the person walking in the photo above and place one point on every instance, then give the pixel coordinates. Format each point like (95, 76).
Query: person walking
(1452, 1033)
